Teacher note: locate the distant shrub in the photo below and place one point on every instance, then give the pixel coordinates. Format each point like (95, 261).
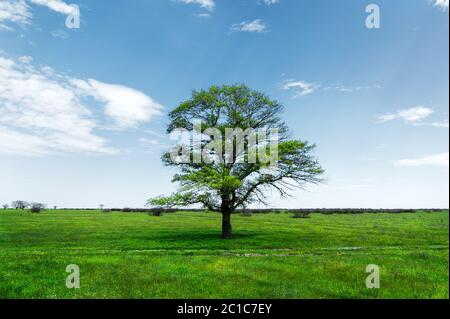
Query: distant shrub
(301, 214)
(156, 211)
(37, 207)
(245, 213)
(106, 210)
(127, 210)
(261, 211)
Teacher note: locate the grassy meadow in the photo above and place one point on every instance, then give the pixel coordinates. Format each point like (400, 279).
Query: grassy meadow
(180, 255)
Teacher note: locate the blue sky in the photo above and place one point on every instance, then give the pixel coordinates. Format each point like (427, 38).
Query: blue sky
(83, 111)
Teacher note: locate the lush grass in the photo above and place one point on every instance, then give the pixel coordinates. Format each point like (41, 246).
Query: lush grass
(124, 255)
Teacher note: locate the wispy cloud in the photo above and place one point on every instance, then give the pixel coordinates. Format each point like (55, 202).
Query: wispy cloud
(206, 4)
(14, 11)
(126, 106)
(301, 88)
(41, 115)
(44, 112)
(203, 15)
(351, 89)
(59, 34)
(441, 159)
(412, 115)
(151, 145)
(256, 26)
(270, 2)
(443, 4)
(19, 11)
(443, 124)
(55, 5)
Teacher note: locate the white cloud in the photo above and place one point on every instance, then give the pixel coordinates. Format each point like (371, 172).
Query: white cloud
(59, 34)
(350, 89)
(412, 115)
(301, 88)
(14, 11)
(270, 2)
(206, 4)
(14, 142)
(344, 89)
(25, 59)
(443, 124)
(429, 160)
(149, 145)
(128, 107)
(443, 4)
(148, 142)
(203, 15)
(43, 112)
(55, 5)
(257, 26)
(19, 11)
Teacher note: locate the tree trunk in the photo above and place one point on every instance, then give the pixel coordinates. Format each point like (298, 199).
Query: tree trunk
(226, 225)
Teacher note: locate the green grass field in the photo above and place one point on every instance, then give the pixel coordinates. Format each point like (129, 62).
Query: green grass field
(132, 255)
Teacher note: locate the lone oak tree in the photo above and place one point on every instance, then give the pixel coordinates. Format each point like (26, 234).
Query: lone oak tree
(225, 185)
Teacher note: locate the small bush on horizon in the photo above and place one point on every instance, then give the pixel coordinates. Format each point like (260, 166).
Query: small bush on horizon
(37, 207)
(246, 213)
(301, 214)
(158, 211)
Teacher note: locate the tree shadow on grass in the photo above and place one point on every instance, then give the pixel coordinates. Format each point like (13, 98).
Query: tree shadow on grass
(197, 236)
(193, 240)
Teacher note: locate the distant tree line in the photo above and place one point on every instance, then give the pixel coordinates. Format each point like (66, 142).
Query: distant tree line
(330, 211)
(298, 213)
(250, 211)
(22, 204)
